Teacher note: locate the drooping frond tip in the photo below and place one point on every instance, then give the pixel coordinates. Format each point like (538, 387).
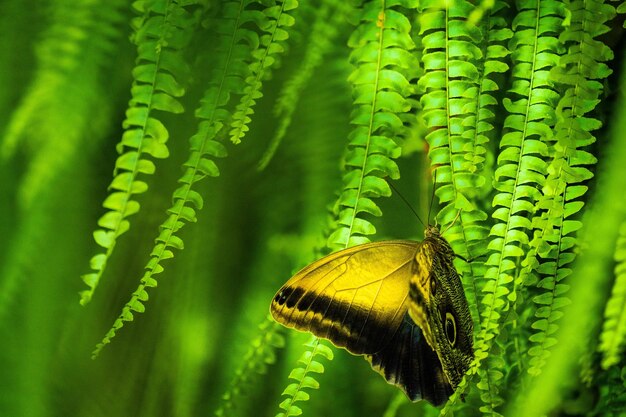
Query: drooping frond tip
(304, 377)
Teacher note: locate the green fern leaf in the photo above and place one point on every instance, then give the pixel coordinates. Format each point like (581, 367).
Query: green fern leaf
(160, 36)
(303, 377)
(228, 79)
(384, 65)
(456, 101)
(56, 116)
(274, 20)
(614, 331)
(522, 167)
(554, 242)
(325, 29)
(260, 354)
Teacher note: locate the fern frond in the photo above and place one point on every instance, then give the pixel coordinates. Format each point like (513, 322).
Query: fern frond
(235, 46)
(554, 242)
(56, 116)
(457, 96)
(522, 165)
(255, 361)
(325, 29)
(490, 384)
(274, 20)
(161, 34)
(384, 66)
(540, 394)
(295, 391)
(495, 34)
(612, 383)
(614, 331)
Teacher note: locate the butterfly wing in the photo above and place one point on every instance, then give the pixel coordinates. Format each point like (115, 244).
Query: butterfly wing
(357, 298)
(409, 363)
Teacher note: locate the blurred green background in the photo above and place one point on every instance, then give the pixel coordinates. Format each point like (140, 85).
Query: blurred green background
(71, 71)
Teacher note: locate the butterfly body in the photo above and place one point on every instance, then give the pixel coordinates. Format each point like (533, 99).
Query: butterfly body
(400, 303)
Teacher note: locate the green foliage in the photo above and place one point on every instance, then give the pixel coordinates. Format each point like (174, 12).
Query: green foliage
(456, 104)
(203, 148)
(381, 85)
(554, 241)
(320, 42)
(614, 331)
(582, 317)
(72, 57)
(275, 21)
(522, 165)
(259, 356)
(304, 377)
(55, 119)
(513, 107)
(161, 34)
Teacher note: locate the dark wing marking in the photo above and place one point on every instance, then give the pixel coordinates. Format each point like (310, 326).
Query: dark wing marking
(409, 363)
(356, 298)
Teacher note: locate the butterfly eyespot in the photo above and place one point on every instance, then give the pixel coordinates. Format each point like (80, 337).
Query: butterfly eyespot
(282, 295)
(451, 328)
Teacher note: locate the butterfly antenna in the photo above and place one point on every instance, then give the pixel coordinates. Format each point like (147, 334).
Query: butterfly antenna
(432, 197)
(407, 203)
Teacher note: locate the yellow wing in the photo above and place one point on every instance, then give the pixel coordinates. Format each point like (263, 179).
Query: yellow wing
(356, 298)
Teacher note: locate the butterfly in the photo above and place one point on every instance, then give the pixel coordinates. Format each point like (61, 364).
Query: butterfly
(399, 303)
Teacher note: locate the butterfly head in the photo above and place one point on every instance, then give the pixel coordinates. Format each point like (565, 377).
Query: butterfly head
(438, 305)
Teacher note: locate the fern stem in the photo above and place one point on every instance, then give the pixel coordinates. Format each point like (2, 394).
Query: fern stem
(381, 27)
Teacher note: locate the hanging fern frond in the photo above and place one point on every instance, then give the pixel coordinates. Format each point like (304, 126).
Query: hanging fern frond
(450, 85)
(328, 20)
(302, 375)
(541, 394)
(522, 165)
(455, 105)
(260, 354)
(614, 332)
(554, 242)
(495, 34)
(236, 45)
(383, 66)
(63, 114)
(277, 19)
(490, 384)
(56, 116)
(161, 34)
